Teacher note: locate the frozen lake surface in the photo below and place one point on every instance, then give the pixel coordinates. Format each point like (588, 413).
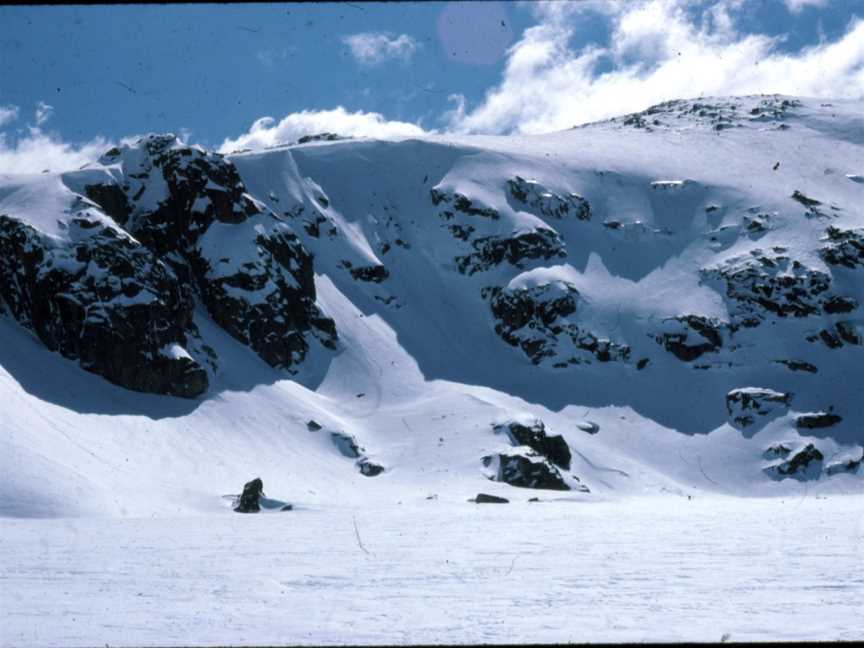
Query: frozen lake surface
(655, 569)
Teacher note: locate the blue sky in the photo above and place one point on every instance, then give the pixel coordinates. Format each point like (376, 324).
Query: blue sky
(73, 77)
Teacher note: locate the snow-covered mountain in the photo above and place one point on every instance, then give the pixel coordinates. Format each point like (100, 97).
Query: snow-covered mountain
(666, 301)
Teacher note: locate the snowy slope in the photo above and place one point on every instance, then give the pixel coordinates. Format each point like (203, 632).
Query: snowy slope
(631, 274)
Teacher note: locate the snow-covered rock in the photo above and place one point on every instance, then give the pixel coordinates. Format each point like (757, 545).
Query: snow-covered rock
(746, 403)
(533, 434)
(525, 469)
(805, 463)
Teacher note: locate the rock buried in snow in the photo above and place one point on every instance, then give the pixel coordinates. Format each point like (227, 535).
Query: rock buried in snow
(534, 436)
(776, 451)
(744, 404)
(804, 464)
(369, 468)
(525, 471)
(588, 427)
(346, 444)
(313, 425)
(250, 499)
(816, 420)
(483, 498)
(848, 466)
(843, 247)
(688, 337)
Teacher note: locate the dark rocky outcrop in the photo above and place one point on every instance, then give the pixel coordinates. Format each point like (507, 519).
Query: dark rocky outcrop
(744, 404)
(535, 198)
(525, 471)
(776, 451)
(451, 202)
(843, 247)
(759, 285)
(190, 208)
(539, 320)
(313, 425)
(101, 298)
(250, 499)
(799, 365)
(322, 137)
(375, 273)
(491, 251)
(688, 337)
(803, 464)
(369, 468)
(842, 333)
(817, 420)
(553, 447)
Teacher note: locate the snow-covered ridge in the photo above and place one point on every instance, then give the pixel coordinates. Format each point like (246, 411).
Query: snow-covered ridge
(646, 269)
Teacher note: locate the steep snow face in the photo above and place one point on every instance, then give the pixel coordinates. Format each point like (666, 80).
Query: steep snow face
(638, 272)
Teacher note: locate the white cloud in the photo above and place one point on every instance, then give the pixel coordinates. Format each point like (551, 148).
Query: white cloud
(796, 6)
(8, 114)
(37, 151)
(43, 112)
(656, 53)
(372, 48)
(266, 131)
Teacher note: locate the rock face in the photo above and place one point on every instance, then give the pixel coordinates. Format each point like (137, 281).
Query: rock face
(688, 337)
(806, 463)
(535, 198)
(553, 447)
(843, 247)
(525, 471)
(758, 285)
(539, 320)
(491, 251)
(250, 498)
(190, 208)
(99, 297)
(745, 404)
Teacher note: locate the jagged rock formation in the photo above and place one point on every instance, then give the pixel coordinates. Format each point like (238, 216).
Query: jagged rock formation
(688, 337)
(843, 247)
(553, 447)
(759, 285)
(99, 297)
(806, 463)
(744, 404)
(539, 321)
(525, 470)
(535, 198)
(118, 293)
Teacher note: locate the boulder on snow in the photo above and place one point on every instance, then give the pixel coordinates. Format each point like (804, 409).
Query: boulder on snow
(534, 435)
(815, 420)
(250, 499)
(483, 498)
(525, 470)
(806, 463)
(313, 426)
(744, 404)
